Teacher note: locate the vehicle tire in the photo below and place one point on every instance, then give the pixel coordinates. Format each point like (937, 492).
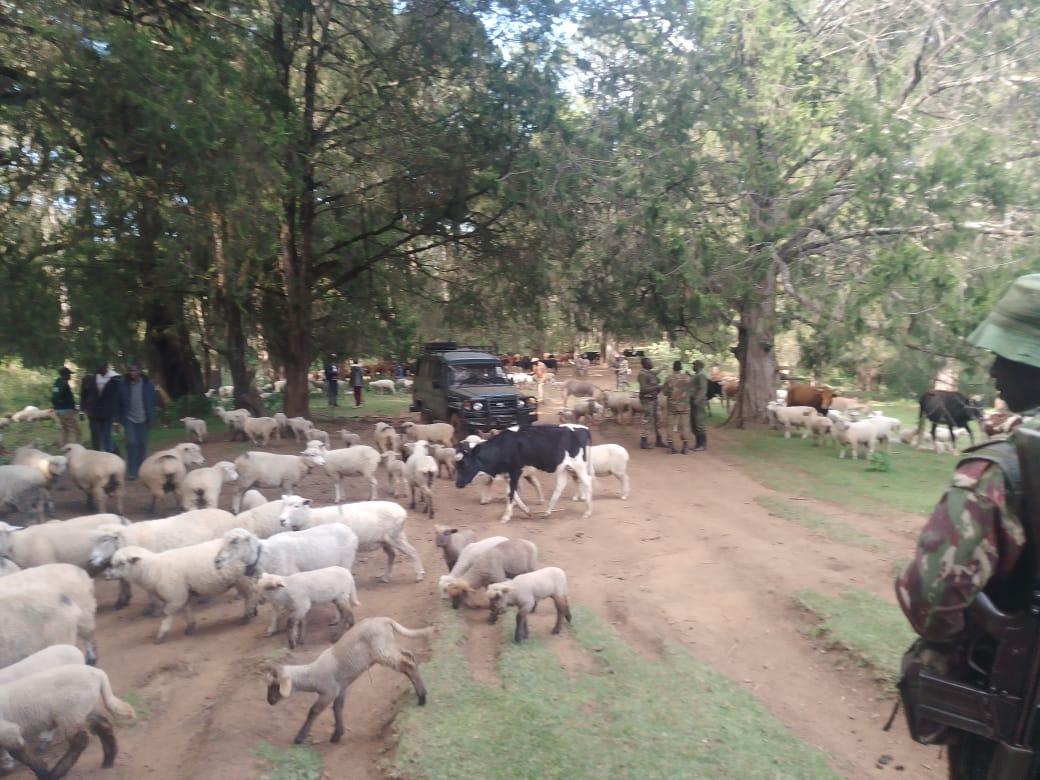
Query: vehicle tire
(425, 416)
(970, 757)
(459, 426)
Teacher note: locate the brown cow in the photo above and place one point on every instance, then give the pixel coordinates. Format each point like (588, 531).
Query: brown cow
(819, 398)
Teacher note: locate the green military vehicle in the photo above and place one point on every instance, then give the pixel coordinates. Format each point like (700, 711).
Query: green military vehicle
(468, 387)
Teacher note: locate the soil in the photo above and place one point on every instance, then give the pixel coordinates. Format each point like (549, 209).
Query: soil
(690, 558)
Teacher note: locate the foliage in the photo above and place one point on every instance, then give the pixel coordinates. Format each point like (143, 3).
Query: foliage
(21, 386)
(619, 715)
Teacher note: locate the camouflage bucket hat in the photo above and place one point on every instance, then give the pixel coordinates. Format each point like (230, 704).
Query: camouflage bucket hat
(1012, 329)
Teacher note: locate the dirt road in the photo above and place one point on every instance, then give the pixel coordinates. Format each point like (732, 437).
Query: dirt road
(690, 557)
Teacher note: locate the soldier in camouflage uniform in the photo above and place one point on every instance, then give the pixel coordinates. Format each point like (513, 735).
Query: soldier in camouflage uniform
(677, 389)
(699, 406)
(649, 390)
(973, 541)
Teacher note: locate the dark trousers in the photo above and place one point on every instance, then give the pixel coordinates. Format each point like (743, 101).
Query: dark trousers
(332, 390)
(101, 435)
(357, 396)
(95, 432)
(136, 446)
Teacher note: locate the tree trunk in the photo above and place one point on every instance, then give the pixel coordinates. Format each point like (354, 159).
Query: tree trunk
(756, 354)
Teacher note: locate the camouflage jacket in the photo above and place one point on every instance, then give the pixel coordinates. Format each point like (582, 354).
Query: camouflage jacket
(677, 389)
(700, 389)
(972, 538)
(649, 384)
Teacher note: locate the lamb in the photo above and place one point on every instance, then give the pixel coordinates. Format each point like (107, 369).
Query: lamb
(293, 596)
(620, 405)
(234, 421)
(269, 469)
(384, 386)
(251, 499)
(607, 460)
(98, 474)
(69, 581)
(260, 430)
(327, 545)
(821, 427)
(434, 433)
(50, 466)
(173, 577)
(35, 618)
(32, 414)
(852, 434)
(330, 675)
(299, 427)
(23, 490)
(579, 389)
(419, 472)
(520, 378)
(378, 524)
(586, 411)
(525, 591)
(452, 542)
(394, 466)
(888, 428)
(162, 472)
(360, 461)
(349, 439)
(567, 416)
(7, 567)
(527, 473)
(42, 660)
(284, 431)
(386, 438)
(790, 416)
(499, 562)
(64, 699)
(193, 426)
(201, 488)
(316, 434)
(445, 457)
(58, 541)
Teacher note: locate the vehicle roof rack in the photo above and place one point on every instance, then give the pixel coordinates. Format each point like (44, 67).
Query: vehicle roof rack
(451, 346)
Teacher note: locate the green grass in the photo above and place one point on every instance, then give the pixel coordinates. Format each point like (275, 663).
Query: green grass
(294, 763)
(914, 484)
(868, 628)
(625, 716)
(142, 706)
(819, 522)
(20, 386)
(372, 405)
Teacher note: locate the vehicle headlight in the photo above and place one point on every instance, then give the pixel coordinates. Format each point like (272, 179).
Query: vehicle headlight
(519, 403)
(477, 406)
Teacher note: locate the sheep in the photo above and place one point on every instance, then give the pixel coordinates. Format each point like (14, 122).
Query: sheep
(32, 414)
(162, 472)
(434, 433)
(226, 391)
(452, 542)
(394, 466)
(201, 488)
(23, 490)
(299, 427)
(370, 642)
(607, 460)
(586, 411)
(260, 430)
(326, 545)
(316, 434)
(419, 472)
(579, 389)
(790, 416)
(383, 386)
(293, 596)
(284, 431)
(821, 427)
(404, 383)
(888, 428)
(234, 421)
(35, 618)
(349, 439)
(98, 475)
(378, 524)
(172, 577)
(58, 541)
(620, 405)
(42, 660)
(467, 556)
(567, 416)
(527, 473)
(445, 456)
(386, 438)
(251, 499)
(64, 699)
(7, 566)
(852, 434)
(520, 378)
(69, 581)
(269, 469)
(525, 591)
(50, 466)
(193, 426)
(499, 562)
(360, 461)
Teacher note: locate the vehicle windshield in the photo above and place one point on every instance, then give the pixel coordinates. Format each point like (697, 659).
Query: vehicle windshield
(478, 375)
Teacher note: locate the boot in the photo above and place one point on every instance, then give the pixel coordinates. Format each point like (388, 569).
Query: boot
(644, 443)
(659, 442)
(702, 443)
(671, 447)
(683, 450)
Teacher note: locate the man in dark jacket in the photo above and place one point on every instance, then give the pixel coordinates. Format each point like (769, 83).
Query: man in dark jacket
(64, 403)
(332, 380)
(99, 398)
(357, 381)
(136, 413)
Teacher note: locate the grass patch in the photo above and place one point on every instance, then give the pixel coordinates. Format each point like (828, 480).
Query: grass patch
(819, 522)
(868, 628)
(142, 706)
(294, 763)
(914, 484)
(373, 404)
(626, 717)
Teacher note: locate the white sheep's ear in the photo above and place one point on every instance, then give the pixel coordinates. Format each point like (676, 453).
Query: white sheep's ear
(284, 686)
(306, 502)
(503, 589)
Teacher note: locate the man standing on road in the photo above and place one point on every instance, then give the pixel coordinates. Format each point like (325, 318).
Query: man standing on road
(677, 389)
(64, 403)
(137, 413)
(649, 390)
(974, 540)
(332, 380)
(99, 398)
(699, 406)
(357, 381)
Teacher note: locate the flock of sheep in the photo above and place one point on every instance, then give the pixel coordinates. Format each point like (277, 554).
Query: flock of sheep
(286, 553)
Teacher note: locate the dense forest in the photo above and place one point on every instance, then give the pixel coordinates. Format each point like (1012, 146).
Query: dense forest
(202, 183)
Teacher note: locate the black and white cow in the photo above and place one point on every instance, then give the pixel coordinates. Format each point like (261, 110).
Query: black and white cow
(949, 407)
(557, 449)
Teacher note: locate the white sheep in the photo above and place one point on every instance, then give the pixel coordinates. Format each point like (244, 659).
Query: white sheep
(251, 499)
(173, 577)
(404, 383)
(434, 433)
(299, 427)
(498, 562)
(349, 438)
(470, 553)
(63, 700)
(419, 472)
(566, 416)
(852, 434)
(283, 424)
(386, 438)
(50, 466)
(200, 488)
(370, 642)
(69, 581)
(620, 404)
(586, 411)
(378, 525)
(7, 566)
(162, 472)
(607, 460)
(525, 591)
(360, 461)
(790, 417)
(58, 541)
(528, 474)
(98, 474)
(292, 597)
(34, 619)
(383, 386)
(316, 434)
(193, 426)
(394, 466)
(821, 427)
(888, 428)
(445, 457)
(42, 660)
(32, 414)
(234, 421)
(23, 490)
(315, 548)
(260, 430)
(452, 542)
(269, 469)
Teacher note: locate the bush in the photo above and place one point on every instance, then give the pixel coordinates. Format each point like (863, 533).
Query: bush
(21, 386)
(185, 406)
